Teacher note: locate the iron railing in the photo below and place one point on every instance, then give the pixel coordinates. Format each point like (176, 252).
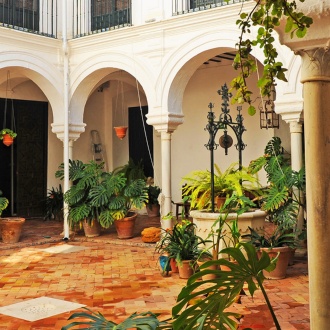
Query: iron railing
(33, 16)
(88, 16)
(100, 16)
(180, 7)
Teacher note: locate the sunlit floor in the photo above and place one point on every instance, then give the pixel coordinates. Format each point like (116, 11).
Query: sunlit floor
(117, 278)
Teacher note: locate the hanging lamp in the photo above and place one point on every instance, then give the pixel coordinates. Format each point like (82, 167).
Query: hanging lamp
(268, 117)
(7, 135)
(120, 130)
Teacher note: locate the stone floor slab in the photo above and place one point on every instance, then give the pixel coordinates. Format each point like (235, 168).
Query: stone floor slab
(38, 308)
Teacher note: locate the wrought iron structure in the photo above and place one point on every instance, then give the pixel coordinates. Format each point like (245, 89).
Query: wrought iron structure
(225, 121)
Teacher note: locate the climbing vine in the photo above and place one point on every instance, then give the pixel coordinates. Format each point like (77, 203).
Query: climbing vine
(266, 14)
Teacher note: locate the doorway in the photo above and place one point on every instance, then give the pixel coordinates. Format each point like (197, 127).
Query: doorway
(139, 141)
(23, 165)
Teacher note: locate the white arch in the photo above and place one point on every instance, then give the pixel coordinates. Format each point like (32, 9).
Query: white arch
(94, 71)
(181, 63)
(45, 75)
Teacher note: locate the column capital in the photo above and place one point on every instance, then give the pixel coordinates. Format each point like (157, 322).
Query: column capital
(315, 64)
(296, 127)
(75, 130)
(291, 110)
(165, 122)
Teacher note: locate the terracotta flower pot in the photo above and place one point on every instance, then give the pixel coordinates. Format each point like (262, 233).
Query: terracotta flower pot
(186, 269)
(125, 226)
(121, 131)
(153, 210)
(174, 266)
(282, 263)
(92, 229)
(7, 140)
(208, 276)
(11, 229)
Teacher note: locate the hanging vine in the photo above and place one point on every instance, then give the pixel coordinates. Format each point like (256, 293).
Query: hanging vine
(267, 14)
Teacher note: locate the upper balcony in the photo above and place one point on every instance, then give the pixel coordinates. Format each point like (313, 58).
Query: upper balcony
(85, 17)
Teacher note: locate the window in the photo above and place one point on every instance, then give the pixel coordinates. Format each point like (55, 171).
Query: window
(110, 13)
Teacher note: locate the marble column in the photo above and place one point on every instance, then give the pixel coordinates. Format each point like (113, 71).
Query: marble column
(296, 133)
(316, 81)
(166, 172)
(74, 133)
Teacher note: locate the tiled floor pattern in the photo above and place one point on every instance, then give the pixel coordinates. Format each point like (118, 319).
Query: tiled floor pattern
(118, 278)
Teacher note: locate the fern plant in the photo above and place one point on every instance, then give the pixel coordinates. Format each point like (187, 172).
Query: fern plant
(282, 198)
(231, 181)
(99, 195)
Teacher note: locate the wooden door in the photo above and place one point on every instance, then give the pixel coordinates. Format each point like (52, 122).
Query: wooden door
(27, 158)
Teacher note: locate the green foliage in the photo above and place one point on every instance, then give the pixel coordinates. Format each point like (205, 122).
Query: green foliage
(96, 321)
(54, 203)
(210, 312)
(231, 181)
(267, 15)
(8, 131)
(278, 238)
(132, 171)
(3, 204)
(100, 195)
(153, 193)
(181, 243)
(282, 198)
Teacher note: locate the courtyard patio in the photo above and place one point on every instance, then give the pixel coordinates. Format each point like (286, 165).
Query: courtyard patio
(117, 278)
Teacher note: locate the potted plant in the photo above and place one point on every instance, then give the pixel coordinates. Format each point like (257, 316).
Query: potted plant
(284, 195)
(54, 204)
(232, 181)
(182, 244)
(7, 135)
(100, 197)
(276, 243)
(10, 227)
(284, 198)
(152, 203)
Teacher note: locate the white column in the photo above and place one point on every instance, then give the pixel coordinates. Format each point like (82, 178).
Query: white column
(166, 172)
(296, 131)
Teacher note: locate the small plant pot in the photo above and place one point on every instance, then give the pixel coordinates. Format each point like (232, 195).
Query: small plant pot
(92, 229)
(153, 210)
(186, 269)
(11, 229)
(121, 131)
(174, 266)
(208, 276)
(7, 140)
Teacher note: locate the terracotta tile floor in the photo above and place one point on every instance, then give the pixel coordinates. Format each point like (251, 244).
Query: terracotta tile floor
(119, 277)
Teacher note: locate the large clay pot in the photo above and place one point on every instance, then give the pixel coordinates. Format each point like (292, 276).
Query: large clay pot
(11, 229)
(125, 226)
(186, 269)
(92, 229)
(282, 263)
